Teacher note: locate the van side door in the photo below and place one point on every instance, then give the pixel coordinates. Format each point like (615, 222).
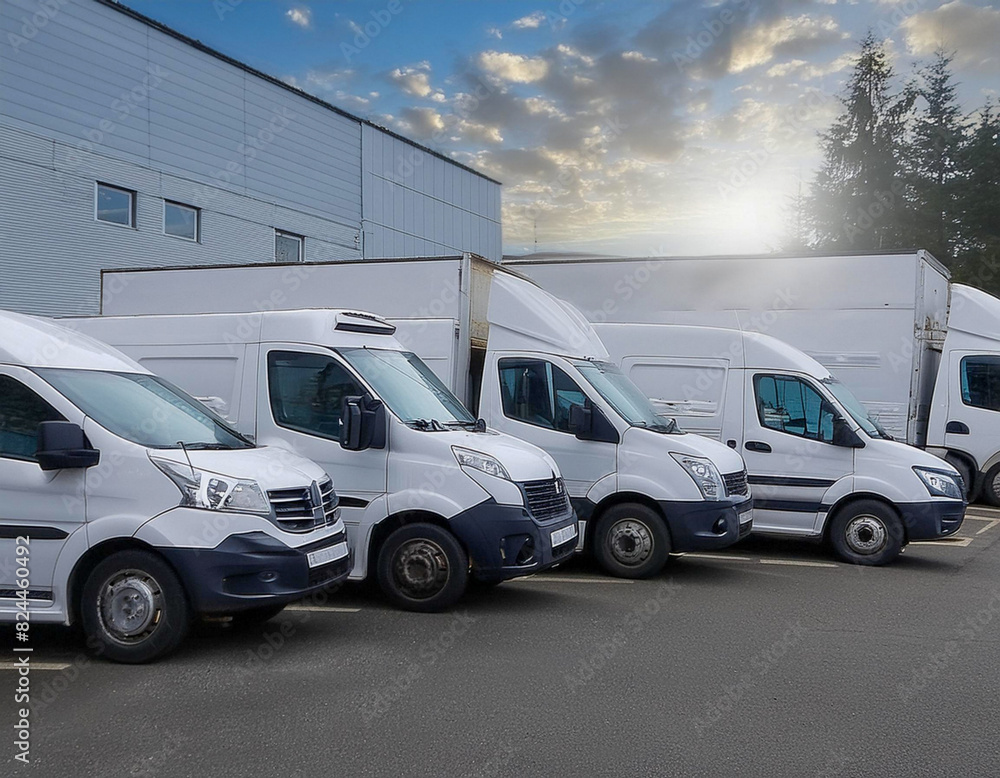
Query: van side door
(973, 405)
(789, 452)
(45, 507)
(301, 391)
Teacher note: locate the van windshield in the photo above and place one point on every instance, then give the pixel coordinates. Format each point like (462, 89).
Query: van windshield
(409, 388)
(854, 407)
(144, 409)
(625, 397)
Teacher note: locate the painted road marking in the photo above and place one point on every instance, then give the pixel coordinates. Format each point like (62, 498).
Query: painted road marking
(321, 609)
(990, 522)
(724, 557)
(569, 579)
(944, 542)
(35, 665)
(989, 526)
(797, 563)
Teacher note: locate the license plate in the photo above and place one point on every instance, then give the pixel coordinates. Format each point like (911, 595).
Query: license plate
(745, 517)
(325, 555)
(563, 535)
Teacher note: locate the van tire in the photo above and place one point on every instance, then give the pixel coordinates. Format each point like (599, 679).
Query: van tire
(143, 583)
(968, 476)
(631, 541)
(867, 532)
(991, 486)
(422, 567)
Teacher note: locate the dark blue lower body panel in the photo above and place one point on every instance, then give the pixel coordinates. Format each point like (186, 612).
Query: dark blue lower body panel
(932, 519)
(703, 526)
(253, 570)
(505, 541)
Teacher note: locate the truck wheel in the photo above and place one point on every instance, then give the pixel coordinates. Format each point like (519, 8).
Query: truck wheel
(133, 608)
(421, 567)
(867, 532)
(968, 476)
(631, 541)
(991, 486)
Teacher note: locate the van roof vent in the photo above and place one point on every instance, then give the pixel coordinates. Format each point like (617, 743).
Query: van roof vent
(355, 321)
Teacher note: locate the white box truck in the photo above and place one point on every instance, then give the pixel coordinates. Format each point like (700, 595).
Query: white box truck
(529, 364)
(129, 508)
(428, 494)
(820, 468)
(923, 356)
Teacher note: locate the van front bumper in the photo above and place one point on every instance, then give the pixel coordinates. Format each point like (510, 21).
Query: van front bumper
(252, 570)
(505, 541)
(931, 519)
(702, 526)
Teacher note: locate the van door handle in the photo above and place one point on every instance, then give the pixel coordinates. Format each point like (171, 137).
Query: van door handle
(756, 445)
(957, 428)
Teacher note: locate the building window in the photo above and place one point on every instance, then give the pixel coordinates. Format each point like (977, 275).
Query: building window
(181, 221)
(288, 247)
(114, 205)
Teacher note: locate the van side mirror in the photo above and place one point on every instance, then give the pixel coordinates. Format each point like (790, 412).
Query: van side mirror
(62, 445)
(362, 423)
(844, 436)
(590, 423)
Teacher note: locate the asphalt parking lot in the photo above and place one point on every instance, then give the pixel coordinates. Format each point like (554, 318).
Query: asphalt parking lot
(771, 659)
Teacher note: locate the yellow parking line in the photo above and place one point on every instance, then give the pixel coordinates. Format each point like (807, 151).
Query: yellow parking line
(991, 525)
(796, 563)
(6, 665)
(321, 609)
(725, 557)
(570, 579)
(944, 542)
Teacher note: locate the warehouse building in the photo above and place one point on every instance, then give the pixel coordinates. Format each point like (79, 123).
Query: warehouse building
(124, 143)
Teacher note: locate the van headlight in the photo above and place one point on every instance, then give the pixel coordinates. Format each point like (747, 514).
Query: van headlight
(705, 474)
(481, 462)
(940, 483)
(213, 492)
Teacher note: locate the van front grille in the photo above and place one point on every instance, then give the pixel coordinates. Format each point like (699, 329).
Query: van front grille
(736, 483)
(546, 499)
(306, 508)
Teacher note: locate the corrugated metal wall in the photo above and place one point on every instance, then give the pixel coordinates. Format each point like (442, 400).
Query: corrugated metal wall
(93, 94)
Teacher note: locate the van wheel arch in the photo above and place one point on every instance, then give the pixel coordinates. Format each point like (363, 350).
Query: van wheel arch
(847, 500)
(620, 498)
(93, 557)
(966, 465)
(388, 525)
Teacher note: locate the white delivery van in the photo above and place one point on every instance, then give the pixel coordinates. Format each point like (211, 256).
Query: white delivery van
(921, 354)
(427, 491)
(133, 509)
(819, 466)
(529, 364)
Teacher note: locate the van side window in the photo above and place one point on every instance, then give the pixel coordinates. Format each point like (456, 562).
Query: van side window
(537, 392)
(21, 411)
(791, 405)
(981, 382)
(307, 392)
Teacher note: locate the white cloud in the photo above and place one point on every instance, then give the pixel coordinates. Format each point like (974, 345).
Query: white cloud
(513, 67)
(637, 56)
(530, 22)
(494, 32)
(760, 44)
(300, 16)
(970, 31)
(801, 70)
(413, 79)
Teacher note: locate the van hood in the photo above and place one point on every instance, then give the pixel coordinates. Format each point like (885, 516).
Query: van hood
(904, 454)
(726, 459)
(272, 467)
(521, 460)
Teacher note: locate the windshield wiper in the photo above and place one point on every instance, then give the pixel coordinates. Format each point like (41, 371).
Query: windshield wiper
(427, 424)
(207, 447)
(478, 425)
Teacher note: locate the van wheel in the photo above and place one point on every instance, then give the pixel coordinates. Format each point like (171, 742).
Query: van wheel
(421, 567)
(867, 532)
(991, 486)
(631, 541)
(133, 608)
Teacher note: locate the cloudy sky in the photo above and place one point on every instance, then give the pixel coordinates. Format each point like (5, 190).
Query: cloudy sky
(616, 127)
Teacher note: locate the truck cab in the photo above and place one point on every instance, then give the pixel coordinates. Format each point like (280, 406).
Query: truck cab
(431, 496)
(821, 468)
(642, 487)
(133, 509)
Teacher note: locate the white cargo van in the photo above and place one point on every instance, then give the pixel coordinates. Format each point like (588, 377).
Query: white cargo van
(529, 364)
(427, 491)
(819, 466)
(922, 355)
(133, 509)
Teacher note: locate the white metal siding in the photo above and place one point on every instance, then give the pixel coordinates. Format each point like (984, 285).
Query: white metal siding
(96, 95)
